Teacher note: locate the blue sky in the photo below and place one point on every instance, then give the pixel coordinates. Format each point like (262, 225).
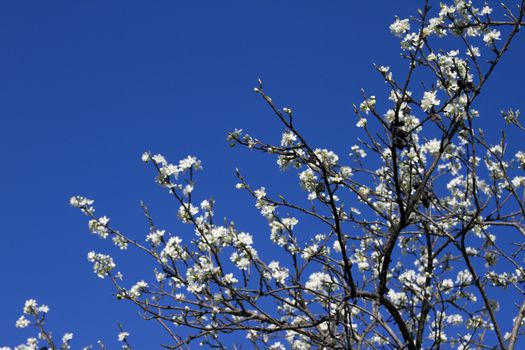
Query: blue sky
(87, 86)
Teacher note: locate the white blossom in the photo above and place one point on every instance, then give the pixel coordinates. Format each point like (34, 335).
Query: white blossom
(357, 151)
(155, 237)
(278, 273)
(321, 282)
(22, 322)
(491, 36)
(136, 290)
(31, 307)
(288, 139)
(368, 104)
(429, 100)
(400, 27)
(361, 123)
(66, 338)
(122, 336)
(102, 263)
(398, 298)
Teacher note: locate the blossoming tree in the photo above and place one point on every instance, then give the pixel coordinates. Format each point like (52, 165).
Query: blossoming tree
(406, 253)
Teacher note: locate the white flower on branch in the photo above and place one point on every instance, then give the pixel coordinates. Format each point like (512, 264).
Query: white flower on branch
(22, 322)
(429, 100)
(400, 27)
(102, 263)
(491, 36)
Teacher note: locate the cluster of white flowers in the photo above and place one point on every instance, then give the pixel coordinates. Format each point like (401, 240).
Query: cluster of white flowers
(288, 139)
(31, 307)
(277, 272)
(518, 181)
(234, 135)
(38, 313)
(357, 152)
(277, 346)
(327, 158)
(473, 51)
(229, 278)
(454, 71)
(520, 157)
(279, 229)
(120, 241)
(99, 226)
(297, 340)
(359, 257)
(200, 274)
(102, 263)
(411, 42)
(173, 251)
(478, 322)
(397, 298)
(245, 252)
(136, 290)
(66, 338)
(446, 285)
(429, 100)
(189, 162)
(495, 165)
(321, 282)
(82, 203)
(187, 211)
(22, 322)
(368, 104)
(490, 37)
(361, 123)
(435, 26)
(455, 319)
(344, 173)
(155, 237)
(504, 279)
(400, 27)
(413, 281)
(169, 173)
(432, 147)
(309, 182)
(310, 251)
(464, 278)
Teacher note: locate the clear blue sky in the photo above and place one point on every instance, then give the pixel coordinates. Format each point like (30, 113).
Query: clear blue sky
(87, 86)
